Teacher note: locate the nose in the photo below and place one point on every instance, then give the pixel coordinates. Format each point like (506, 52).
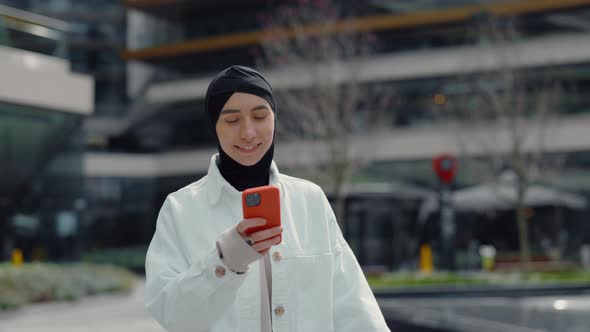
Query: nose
(247, 130)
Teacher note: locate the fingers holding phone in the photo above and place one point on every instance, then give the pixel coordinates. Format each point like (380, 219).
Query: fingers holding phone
(263, 205)
(263, 239)
(264, 247)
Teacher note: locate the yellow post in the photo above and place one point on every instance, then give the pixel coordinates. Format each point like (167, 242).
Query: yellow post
(426, 265)
(17, 257)
(488, 257)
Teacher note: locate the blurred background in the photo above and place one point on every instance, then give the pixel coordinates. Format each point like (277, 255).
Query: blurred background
(452, 138)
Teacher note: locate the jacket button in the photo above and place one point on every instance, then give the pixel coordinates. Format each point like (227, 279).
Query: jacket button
(279, 310)
(277, 256)
(220, 271)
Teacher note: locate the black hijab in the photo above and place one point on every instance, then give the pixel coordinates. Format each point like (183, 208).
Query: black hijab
(222, 87)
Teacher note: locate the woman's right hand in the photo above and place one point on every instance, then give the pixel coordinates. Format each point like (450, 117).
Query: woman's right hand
(263, 239)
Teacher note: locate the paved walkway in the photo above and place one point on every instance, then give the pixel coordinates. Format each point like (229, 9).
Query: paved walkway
(126, 313)
(105, 313)
(528, 314)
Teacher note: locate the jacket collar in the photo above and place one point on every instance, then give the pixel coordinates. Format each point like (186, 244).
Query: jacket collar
(216, 183)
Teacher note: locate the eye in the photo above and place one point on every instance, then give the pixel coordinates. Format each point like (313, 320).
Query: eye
(231, 120)
(260, 117)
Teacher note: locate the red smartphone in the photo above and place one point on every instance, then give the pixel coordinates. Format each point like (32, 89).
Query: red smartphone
(262, 202)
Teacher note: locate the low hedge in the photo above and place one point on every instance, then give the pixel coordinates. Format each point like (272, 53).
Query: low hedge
(40, 282)
(411, 279)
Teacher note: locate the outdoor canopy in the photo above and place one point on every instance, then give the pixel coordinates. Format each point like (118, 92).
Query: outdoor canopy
(501, 195)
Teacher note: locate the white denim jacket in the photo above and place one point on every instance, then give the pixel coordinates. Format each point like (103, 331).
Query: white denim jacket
(317, 284)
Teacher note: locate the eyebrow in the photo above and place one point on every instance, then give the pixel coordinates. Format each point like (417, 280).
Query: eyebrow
(261, 107)
(256, 108)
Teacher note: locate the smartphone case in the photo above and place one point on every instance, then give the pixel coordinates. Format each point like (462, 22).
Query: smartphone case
(262, 202)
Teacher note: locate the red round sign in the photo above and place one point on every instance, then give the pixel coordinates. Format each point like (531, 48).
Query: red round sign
(445, 166)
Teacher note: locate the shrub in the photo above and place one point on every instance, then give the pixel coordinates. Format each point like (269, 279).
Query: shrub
(37, 282)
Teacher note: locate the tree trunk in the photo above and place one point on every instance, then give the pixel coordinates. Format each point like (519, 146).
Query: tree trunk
(5, 236)
(339, 198)
(339, 165)
(523, 231)
(340, 208)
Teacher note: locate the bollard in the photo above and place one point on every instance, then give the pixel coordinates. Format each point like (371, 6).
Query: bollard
(426, 265)
(488, 257)
(17, 257)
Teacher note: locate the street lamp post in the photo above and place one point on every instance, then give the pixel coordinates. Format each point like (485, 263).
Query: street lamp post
(445, 167)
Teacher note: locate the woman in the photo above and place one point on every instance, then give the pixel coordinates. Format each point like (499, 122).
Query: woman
(204, 274)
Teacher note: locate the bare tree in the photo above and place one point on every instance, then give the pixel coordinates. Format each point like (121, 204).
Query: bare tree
(503, 117)
(332, 104)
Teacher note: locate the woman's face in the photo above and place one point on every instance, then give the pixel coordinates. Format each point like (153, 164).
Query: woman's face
(245, 128)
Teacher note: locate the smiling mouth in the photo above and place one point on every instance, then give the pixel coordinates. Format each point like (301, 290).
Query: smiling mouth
(248, 148)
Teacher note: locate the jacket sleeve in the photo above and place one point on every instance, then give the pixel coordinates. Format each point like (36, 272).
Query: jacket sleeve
(185, 295)
(354, 305)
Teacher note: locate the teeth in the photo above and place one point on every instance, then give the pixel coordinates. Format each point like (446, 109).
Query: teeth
(247, 147)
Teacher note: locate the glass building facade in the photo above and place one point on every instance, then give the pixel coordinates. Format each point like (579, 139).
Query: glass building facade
(430, 38)
(82, 181)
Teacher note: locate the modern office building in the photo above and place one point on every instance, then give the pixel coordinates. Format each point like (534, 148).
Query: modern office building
(135, 153)
(61, 65)
(420, 47)
(43, 103)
